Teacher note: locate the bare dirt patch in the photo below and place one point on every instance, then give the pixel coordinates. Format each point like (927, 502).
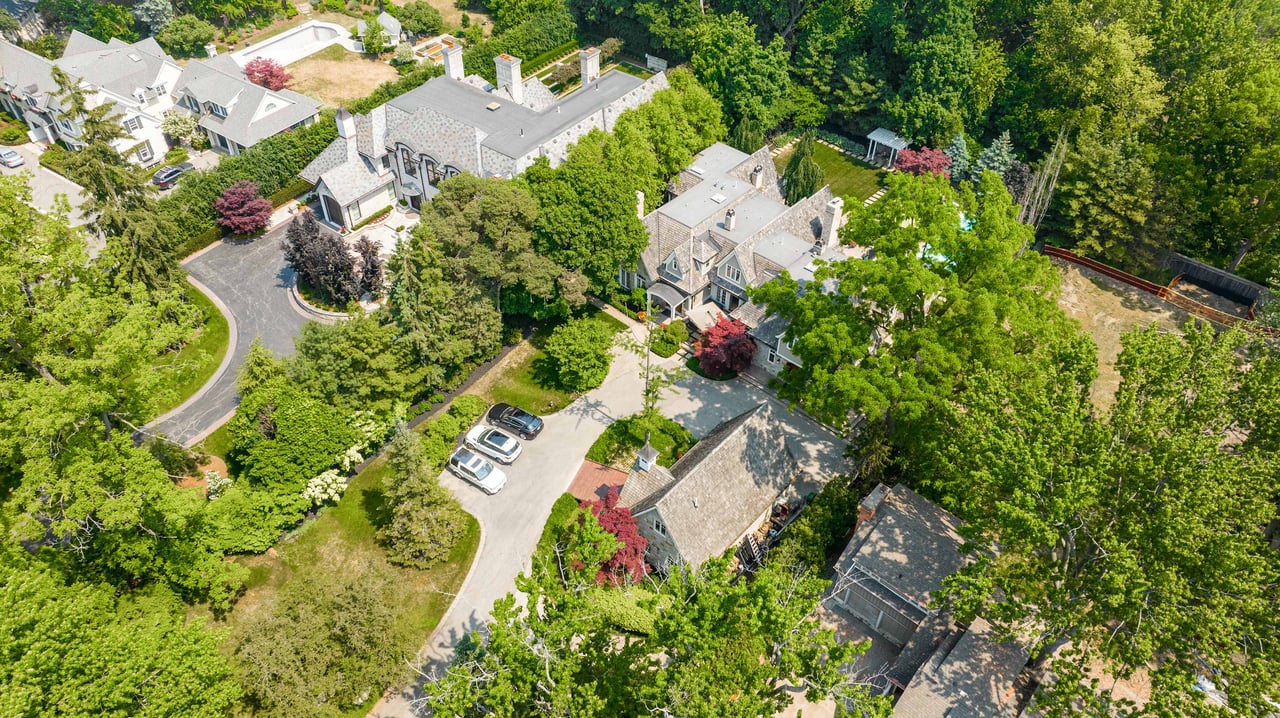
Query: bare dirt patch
(336, 76)
(1106, 309)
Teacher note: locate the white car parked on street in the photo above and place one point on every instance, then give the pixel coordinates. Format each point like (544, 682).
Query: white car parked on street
(494, 443)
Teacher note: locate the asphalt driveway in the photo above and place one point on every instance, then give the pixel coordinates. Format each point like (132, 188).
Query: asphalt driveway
(512, 520)
(46, 184)
(250, 282)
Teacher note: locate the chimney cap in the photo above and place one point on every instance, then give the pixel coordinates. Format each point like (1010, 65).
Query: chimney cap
(758, 168)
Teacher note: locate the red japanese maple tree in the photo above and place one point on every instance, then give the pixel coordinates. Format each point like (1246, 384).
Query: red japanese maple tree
(725, 348)
(925, 160)
(242, 209)
(268, 73)
(627, 564)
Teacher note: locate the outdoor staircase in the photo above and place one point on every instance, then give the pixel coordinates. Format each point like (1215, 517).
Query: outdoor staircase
(750, 554)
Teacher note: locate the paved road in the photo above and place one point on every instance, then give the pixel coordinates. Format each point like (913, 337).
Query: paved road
(251, 281)
(45, 183)
(512, 520)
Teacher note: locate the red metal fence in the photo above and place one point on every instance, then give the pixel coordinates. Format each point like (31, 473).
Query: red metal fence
(1177, 299)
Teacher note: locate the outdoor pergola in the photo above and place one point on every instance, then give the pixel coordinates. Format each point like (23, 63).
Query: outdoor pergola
(882, 137)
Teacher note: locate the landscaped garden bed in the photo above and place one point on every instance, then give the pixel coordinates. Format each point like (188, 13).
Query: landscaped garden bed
(618, 445)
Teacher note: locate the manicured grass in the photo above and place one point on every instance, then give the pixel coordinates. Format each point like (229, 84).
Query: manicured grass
(192, 365)
(624, 437)
(216, 444)
(528, 382)
(848, 177)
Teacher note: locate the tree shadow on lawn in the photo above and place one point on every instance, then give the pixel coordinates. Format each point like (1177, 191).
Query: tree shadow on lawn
(376, 507)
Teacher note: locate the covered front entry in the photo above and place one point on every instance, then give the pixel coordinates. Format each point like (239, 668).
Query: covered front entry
(667, 298)
(332, 210)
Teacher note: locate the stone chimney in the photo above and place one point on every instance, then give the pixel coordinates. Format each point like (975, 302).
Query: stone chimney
(832, 218)
(509, 76)
(757, 177)
(211, 50)
(346, 123)
(453, 61)
(589, 63)
(730, 220)
(640, 204)
(870, 504)
(648, 455)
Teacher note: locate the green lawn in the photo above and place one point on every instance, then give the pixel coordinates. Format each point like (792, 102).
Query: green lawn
(618, 445)
(528, 381)
(193, 365)
(848, 177)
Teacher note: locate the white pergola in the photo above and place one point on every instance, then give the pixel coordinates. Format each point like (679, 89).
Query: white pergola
(882, 137)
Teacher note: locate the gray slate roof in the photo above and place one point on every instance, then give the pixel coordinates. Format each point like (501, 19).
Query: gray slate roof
(712, 494)
(910, 545)
(512, 130)
(973, 679)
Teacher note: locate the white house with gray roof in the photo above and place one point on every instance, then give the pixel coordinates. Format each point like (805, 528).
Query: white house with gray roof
(141, 81)
(390, 26)
(462, 123)
(136, 79)
(713, 497)
(728, 229)
(235, 113)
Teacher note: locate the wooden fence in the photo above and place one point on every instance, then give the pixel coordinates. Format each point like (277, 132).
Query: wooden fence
(1177, 299)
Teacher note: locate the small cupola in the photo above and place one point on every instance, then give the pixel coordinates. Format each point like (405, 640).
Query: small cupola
(648, 455)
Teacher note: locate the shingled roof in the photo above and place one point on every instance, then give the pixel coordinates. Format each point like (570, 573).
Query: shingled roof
(713, 493)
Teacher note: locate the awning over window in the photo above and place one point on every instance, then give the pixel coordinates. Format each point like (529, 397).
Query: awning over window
(666, 294)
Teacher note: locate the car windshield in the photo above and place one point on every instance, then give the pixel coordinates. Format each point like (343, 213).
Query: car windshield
(482, 469)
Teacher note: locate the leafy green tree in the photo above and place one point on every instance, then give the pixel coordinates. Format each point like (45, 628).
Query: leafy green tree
(375, 38)
(181, 126)
(588, 221)
(719, 646)
(325, 644)
(73, 649)
(750, 80)
(426, 520)
(580, 351)
(802, 177)
(186, 36)
(997, 157)
(281, 437)
(952, 299)
(747, 135)
(1132, 533)
(417, 17)
(259, 368)
(448, 322)
(47, 45)
(958, 151)
(359, 364)
(484, 229)
(1102, 200)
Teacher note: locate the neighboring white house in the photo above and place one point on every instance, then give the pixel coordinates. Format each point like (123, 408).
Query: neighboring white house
(142, 82)
(458, 123)
(234, 112)
(136, 79)
(389, 24)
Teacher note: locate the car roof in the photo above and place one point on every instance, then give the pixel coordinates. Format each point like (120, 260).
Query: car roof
(8, 151)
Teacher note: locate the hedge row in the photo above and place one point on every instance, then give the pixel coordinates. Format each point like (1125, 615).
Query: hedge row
(541, 33)
(541, 62)
(273, 163)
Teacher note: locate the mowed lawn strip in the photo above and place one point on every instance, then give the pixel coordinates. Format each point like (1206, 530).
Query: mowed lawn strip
(848, 177)
(195, 363)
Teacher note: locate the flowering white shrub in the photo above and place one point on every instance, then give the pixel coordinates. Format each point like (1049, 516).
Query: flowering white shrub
(350, 459)
(325, 488)
(215, 483)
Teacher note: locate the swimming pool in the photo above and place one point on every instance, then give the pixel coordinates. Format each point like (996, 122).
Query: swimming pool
(302, 41)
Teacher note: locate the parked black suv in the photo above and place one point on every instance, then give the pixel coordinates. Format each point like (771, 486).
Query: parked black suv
(518, 420)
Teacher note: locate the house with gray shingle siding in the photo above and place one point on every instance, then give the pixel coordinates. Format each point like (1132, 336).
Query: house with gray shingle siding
(462, 123)
(713, 497)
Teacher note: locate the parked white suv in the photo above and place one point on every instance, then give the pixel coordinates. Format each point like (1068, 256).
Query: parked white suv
(494, 443)
(475, 469)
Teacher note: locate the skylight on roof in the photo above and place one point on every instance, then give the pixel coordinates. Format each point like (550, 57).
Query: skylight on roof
(135, 57)
(696, 170)
(493, 106)
(718, 198)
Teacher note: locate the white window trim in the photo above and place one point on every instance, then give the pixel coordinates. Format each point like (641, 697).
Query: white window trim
(133, 124)
(355, 212)
(145, 152)
(773, 357)
(732, 273)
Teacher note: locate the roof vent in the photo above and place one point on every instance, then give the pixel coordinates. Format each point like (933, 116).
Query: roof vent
(493, 106)
(135, 57)
(696, 170)
(718, 198)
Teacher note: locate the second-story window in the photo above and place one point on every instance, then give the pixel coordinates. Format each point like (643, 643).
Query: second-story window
(731, 273)
(133, 124)
(217, 109)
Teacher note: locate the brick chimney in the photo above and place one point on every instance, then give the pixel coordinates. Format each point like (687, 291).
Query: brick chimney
(730, 220)
(870, 504)
(832, 218)
(589, 64)
(509, 76)
(453, 61)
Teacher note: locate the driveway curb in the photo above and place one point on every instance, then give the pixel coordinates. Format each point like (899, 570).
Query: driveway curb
(227, 358)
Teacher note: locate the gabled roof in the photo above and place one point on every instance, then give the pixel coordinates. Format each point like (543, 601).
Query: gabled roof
(972, 678)
(712, 494)
(909, 546)
(388, 23)
(79, 42)
(254, 113)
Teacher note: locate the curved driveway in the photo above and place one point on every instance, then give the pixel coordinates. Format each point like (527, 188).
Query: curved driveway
(250, 281)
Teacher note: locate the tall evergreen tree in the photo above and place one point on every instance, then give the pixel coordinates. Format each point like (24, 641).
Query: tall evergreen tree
(803, 176)
(997, 157)
(958, 151)
(426, 520)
